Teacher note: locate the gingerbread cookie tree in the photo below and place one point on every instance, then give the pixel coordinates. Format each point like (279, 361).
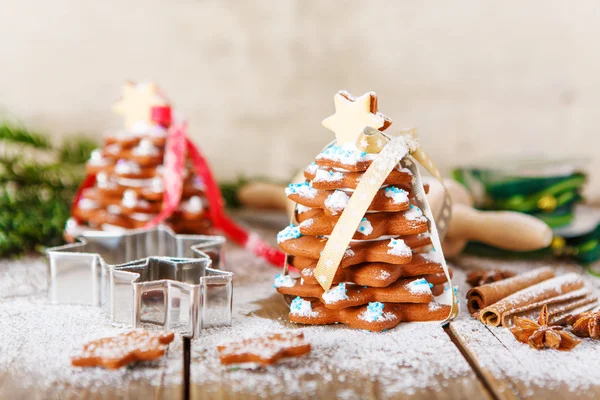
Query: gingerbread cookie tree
(387, 274)
(129, 186)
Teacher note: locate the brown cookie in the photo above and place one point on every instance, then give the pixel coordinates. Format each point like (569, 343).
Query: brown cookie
(128, 204)
(373, 317)
(375, 274)
(391, 251)
(350, 295)
(124, 169)
(359, 166)
(128, 141)
(265, 350)
(372, 226)
(126, 348)
(331, 179)
(322, 199)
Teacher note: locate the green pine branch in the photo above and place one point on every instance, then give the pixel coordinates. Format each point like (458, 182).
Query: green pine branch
(16, 134)
(35, 196)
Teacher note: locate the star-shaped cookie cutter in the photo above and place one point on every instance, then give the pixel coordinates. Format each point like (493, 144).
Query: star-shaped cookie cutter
(145, 276)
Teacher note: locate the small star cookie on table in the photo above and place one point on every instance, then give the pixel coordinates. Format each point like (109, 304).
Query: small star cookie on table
(126, 348)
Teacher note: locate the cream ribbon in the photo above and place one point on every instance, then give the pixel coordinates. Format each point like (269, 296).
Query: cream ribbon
(393, 151)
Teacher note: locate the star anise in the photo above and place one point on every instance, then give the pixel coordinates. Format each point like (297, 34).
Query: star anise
(540, 335)
(481, 277)
(586, 324)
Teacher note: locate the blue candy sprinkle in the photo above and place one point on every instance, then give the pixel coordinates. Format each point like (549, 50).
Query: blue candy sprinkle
(374, 311)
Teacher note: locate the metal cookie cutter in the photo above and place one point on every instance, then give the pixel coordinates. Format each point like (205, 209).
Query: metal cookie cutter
(145, 276)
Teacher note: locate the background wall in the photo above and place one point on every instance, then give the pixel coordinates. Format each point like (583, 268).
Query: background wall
(480, 80)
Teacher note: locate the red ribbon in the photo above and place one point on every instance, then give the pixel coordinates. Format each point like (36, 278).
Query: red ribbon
(174, 163)
(250, 240)
(177, 145)
(175, 152)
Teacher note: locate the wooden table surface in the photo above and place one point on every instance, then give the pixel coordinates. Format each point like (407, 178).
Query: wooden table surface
(464, 360)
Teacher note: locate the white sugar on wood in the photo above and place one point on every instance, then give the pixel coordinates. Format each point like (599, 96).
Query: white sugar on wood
(338, 353)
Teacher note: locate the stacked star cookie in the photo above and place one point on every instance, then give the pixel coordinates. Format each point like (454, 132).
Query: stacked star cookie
(387, 274)
(129, 187)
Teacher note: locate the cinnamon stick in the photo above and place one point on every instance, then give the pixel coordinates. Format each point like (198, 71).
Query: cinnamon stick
(531, 296)
(483, 296)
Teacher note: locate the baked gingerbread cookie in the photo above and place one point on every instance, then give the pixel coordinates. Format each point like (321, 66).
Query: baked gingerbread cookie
(388, 273)
(126, 348)
(265, 350)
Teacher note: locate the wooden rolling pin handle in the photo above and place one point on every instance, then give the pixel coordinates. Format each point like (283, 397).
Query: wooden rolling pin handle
(503, 229)
(263, 195)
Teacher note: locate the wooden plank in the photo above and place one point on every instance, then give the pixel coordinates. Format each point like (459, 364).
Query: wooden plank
(415, 361)
(514, 370)
(38, 339)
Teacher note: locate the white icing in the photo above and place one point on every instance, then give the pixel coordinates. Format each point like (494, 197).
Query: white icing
(144, 128)
(198, 183)
(418, 286)
(307, 223)
(137, 183)
(302, 209)
(397, 247)
(414, 213)
(288, 233)
(87, 204)
(335, 294)
(283, 281)
(365, 227)
(96, 158)
(113, 228)
(328, 176)
(430, 256)
(336, 202)
(157, 185)
(113, 209)
(130, 199)
(302, 308)
(303, 189)
(312, 168)
(127, 167)
(348, 154)
(397, 195)
(113, 148)
(145, 148)
(142, 217)
(193, 205)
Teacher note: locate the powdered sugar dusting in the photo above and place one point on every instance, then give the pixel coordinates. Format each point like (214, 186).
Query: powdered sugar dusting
(426, 358)
(38, 340)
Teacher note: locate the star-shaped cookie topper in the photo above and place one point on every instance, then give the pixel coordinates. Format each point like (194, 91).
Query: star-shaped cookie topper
(137, 101)
(353, 114)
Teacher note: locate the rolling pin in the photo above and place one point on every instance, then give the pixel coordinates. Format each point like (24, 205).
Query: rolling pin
(506, 230)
